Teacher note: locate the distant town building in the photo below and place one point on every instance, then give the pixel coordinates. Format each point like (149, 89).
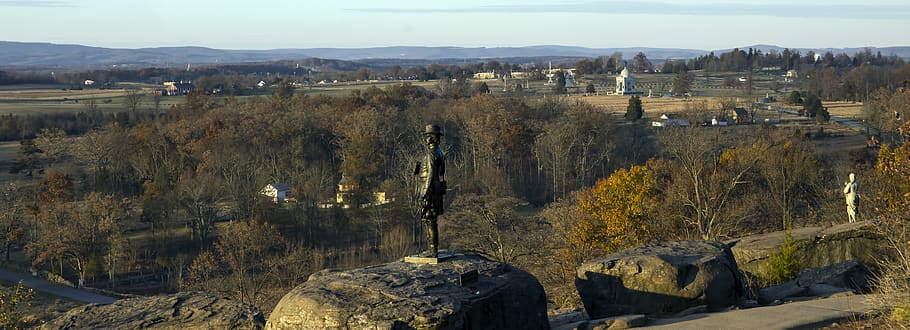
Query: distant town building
(89, 82)
(625, 83)
(520, 75)
(178, 88)
(485, 75)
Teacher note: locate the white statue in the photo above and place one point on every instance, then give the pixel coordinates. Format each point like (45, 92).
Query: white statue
(852, 197)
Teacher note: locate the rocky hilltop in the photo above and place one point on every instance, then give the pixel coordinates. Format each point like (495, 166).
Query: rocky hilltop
(402, 295)
(469, 291)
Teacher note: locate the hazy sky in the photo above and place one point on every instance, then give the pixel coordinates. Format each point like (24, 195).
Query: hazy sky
(269, 24)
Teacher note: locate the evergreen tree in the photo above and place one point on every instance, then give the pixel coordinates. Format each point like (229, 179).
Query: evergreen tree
(812, 105)
(634, 111)
(822, 115)
(795, 98)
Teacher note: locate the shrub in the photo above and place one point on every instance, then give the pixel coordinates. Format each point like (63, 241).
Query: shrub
(14, 302)
(784, 265)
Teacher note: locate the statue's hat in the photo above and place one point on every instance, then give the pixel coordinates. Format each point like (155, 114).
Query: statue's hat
(433, 129)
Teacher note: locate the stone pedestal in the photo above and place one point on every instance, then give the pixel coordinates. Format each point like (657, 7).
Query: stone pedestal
(417, 259)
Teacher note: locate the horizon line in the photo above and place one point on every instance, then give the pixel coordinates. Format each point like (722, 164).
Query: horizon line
(743, 47)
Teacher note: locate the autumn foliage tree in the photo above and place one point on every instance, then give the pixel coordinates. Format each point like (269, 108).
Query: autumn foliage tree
(891, 200)
(615, 213)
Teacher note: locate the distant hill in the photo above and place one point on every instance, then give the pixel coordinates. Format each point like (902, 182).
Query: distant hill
(48, 55)
(25, 54)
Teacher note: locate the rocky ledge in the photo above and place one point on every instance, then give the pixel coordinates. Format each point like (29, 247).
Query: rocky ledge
(817, 246)
(180, 311)
(419, 296)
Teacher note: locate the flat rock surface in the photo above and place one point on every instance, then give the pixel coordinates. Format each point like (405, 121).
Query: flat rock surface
(408, 295)
(180, 311)
(799, 315)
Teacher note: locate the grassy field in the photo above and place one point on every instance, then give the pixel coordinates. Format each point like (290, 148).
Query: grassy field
(32, 100)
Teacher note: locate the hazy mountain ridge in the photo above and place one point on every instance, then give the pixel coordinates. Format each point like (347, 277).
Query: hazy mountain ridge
(900, 51)
(28, 54)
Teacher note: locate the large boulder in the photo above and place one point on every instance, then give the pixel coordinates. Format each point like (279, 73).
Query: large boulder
(852, 275)
(846, 277)
(816, 246)
(402, 295)
(661, 279)
(180, 311)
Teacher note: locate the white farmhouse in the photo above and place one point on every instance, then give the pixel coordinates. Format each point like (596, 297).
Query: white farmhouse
(277, 192)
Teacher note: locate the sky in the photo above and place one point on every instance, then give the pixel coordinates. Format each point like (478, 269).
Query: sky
(273, 24)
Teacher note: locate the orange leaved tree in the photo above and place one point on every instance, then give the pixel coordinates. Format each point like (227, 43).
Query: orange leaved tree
(615, 213)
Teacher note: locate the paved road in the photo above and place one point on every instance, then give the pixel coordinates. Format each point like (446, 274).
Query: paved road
(798, 315)
(56, 289)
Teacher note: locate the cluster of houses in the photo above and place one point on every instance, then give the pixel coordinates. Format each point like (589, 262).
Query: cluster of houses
(279, 192)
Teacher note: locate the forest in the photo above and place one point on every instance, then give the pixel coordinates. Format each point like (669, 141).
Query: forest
(162, 201)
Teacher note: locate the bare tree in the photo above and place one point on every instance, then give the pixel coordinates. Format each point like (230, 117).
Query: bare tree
(198, 197)
(487, 224)
(709, 177)
(131, 100)
(243, 245)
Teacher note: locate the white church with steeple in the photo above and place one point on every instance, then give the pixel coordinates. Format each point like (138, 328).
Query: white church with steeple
(625, 83)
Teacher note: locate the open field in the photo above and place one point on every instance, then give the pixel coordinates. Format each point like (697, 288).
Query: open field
(58, 94)
(29, 101)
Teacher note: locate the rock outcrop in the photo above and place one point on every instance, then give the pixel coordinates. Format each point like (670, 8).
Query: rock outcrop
(663, 279)
(842, 278)
(817, 246)
(181, 311)
(422, 296)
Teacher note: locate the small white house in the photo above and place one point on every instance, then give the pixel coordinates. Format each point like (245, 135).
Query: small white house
(88, 82)
(261, 84)
(277, 192)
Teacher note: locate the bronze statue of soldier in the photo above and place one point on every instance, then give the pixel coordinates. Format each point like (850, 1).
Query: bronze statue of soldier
(431, 186)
